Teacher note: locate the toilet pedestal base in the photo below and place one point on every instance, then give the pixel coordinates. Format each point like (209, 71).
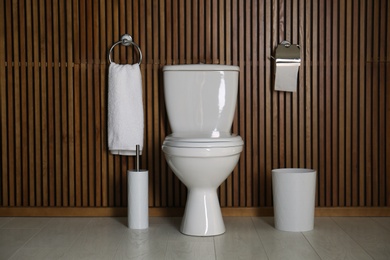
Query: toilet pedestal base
(202, 215)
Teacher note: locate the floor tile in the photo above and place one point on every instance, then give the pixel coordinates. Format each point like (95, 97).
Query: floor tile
(331, 242)
(283, 244)
(150, 243)
(40, 253)
(368, 234)
(383, 221)
(59, 232)
(13, 239)
(240, 241)
(245, 238)
(98, 240)
(27, 222)
(177, 249)
(4, 220)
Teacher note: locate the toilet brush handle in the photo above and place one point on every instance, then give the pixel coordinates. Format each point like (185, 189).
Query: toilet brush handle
(137, 157)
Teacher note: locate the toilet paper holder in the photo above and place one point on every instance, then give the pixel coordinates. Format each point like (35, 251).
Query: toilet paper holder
(287, 53)
(287, 61)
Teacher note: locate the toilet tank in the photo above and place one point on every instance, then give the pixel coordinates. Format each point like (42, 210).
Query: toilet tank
(200, 98)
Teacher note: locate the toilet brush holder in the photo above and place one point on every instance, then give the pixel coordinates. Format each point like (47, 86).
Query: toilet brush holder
(137, 187)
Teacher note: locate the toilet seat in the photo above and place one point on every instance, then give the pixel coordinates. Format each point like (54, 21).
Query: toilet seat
(191, 141)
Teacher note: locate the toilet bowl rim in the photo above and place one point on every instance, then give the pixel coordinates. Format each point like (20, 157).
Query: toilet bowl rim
(203, 138)
(201, 151)
(234, 141)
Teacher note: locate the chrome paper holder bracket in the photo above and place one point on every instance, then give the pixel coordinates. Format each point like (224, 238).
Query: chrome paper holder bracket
(287, 52)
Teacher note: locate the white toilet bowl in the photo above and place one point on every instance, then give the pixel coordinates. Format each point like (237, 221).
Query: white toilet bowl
(202, 166)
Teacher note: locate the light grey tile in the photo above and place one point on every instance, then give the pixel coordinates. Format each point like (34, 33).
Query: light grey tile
(13, 239)
(4, 220)
(40, 253)
(331, 242)
(98, 240)
(151, 249)
(245, 238)
(173, 221)
(383, 221)
(59, 232)
(74, 222)
(282, 244)
(180, 246)
(27, 222)
(240, 241)
(88, 253)
(177, 249)
(150, 243)
(173, 227)
(106, 224)
(368, 234)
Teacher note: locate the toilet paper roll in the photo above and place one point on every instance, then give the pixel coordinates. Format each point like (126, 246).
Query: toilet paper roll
(286, 76)
(137, 210)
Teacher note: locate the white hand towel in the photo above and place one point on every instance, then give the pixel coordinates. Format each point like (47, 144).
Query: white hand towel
(125, 109)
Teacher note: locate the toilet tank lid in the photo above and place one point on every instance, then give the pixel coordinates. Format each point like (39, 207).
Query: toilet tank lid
(201, 67)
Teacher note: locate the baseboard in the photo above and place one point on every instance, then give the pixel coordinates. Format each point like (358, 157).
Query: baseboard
(177, 212)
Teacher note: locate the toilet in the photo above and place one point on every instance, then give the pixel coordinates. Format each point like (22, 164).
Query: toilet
(202, 152)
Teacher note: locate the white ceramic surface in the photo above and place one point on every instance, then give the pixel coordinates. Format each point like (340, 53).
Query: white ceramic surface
(202, 175)
(201, 98)
(200, 101)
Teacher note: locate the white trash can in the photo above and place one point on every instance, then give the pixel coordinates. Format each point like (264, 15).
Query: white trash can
(294, 199)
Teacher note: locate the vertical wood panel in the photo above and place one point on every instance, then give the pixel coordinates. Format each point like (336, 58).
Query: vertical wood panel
(306, 69)
(26, 76)
(314, 44)
(53, 86)
(328, 101)
(335, 106)
(65, 87)
(17, 105)
(388, 111)
(261, 89)
(299, 100)
(268, 128)
(341, 96)
(375, 103)
(360, 111)
(382, 100)
(320, 95)
(33, 100)
(70, 101)
(255, 105)
(103, 106)
(3, 111)
(49, 199)
(41, 176)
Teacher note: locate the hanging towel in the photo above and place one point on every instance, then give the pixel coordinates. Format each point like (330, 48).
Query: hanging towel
(125, 109)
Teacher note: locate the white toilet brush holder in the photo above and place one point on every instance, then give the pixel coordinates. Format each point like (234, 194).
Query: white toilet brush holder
(137, 188)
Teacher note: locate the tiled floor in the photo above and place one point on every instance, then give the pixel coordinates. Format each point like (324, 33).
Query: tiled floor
(245, 238)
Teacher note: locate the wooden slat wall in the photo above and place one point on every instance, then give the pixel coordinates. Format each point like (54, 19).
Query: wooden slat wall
(53, 86)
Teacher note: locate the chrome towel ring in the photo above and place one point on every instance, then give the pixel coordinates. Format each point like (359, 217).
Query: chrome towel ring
(126, 40)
